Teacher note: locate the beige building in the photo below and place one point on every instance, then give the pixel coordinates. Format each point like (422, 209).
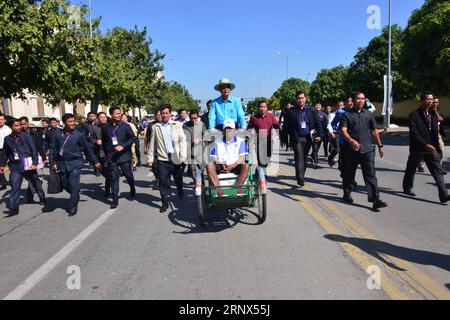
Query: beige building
(34, 106)
(403, 109)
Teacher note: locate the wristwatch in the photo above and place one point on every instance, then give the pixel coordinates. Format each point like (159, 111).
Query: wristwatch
(380, 146)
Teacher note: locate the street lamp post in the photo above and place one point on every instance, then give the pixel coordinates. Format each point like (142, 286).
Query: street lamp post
(287, 55)
(90, 19)
(387, 119)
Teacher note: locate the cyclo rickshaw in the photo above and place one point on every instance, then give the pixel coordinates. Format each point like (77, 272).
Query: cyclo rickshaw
(229, 195)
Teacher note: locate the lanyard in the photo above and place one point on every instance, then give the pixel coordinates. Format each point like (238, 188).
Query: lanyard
(67, 139)
(16, 143)
(114, 130)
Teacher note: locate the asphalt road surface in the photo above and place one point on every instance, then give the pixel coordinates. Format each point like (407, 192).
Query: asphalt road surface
(312, 246)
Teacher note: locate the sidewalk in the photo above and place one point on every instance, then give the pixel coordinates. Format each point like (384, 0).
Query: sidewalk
(404, 132)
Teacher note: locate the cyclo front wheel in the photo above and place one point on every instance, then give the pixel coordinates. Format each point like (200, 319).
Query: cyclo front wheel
(262, 206)
(201, 209)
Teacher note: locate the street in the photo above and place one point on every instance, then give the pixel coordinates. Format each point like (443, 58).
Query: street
(313, 246)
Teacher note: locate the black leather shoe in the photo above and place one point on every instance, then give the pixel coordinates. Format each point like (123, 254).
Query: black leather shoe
(133, 193)
(421, 170)
(164, 208)
(2, 188)
(73, 212)
(331, 162)
(14, 212)
(409, 193)
(301, 184)
(348, 199)
(114, 205)
(445, 202)
(379, 205)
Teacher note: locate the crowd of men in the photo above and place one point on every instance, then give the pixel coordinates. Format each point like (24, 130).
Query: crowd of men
(111, 146)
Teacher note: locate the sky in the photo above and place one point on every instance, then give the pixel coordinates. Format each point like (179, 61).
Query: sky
(206, 40)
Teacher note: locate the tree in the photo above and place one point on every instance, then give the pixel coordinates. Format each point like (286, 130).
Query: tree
(426, 51)
(127, 68)
(330, 85)
(371, 63)
(286, 93)
(176, 95)
(69, 66)
(252, 106)
(26, 28)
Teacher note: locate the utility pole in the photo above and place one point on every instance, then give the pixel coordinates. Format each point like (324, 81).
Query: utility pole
(90, 19)
(287, 55)
(387, 119)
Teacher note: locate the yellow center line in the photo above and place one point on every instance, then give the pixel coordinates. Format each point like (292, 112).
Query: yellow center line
(417, 275)
(362, 260)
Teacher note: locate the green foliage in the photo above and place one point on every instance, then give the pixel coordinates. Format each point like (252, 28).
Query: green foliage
(371, 64)
(252, 106)
(126, 68)
(426, 50)
(39, 51)
(286, 93)
(174, 94)
(330, 86)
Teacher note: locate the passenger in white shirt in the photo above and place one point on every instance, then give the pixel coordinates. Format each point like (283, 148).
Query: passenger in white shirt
(4, 132)
(229, 156)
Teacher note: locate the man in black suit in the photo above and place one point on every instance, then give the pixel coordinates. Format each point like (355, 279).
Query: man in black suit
(358, 128)
(117, 139)
(66, 158)
(424, 142)
(301, 126)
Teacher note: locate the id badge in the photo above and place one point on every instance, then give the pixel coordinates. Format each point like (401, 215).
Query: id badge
(115, 142)
(303, 124)
(16, 156)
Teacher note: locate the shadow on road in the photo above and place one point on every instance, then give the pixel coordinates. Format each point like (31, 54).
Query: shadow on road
(184, 214)
(378, 248)
(295, 191)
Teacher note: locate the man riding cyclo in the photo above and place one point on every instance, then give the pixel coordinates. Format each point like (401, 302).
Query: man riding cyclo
(226, 107)
(229, 155)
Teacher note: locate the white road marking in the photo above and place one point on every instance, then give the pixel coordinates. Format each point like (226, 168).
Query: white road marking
(24, 288)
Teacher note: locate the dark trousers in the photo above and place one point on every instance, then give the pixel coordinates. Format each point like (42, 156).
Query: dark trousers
(315, 152)
(107, 175)
(138, 152)
(351, 160)
(335, 147)
(16, 179)
(115, 177)
(301, 151)
(3, 182)
(167, 169)
(325, 145)
(434, 165)
(70, 181)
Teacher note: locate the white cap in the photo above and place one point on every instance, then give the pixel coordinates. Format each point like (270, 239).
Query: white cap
(229, 124)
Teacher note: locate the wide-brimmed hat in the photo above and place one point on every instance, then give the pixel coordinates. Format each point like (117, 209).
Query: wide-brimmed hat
(224, 82)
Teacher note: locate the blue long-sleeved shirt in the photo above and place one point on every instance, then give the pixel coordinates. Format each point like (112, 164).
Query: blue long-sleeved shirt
(67, 150)
(225, 110)
(22, 144)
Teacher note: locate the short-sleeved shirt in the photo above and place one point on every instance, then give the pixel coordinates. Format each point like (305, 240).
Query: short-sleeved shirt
(229, 153)
(224, 110)
(360, 126)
